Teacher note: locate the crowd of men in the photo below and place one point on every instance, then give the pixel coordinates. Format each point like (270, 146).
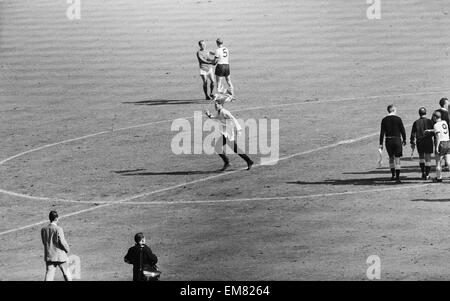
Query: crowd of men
(428, 136)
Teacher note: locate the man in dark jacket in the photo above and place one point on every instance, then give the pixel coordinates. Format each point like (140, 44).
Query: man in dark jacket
(423, 140)
(394, 136)
(141, 257)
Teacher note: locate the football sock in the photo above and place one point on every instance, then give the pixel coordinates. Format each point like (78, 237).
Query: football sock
(422, 167)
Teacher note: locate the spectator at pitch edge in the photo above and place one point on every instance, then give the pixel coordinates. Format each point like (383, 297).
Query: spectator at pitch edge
(142, 258)
(55, 249)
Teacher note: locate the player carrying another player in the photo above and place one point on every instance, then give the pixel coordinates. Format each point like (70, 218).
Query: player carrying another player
(423, 140)
(227, 124)
(206, 69)
(442, 140)
(222, 59)
(393, 131)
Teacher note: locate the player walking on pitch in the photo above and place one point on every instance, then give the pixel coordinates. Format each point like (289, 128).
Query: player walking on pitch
(227, 124)
(206, 69)
(423, 140)
(442, 140)
(222, 59)
(443, 103)
(393, 131)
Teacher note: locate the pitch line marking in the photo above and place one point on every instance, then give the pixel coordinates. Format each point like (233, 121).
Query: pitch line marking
(192, 182)
(222, 201)
(145, 194)
(11, 193)
(293, 197)
(190, 117)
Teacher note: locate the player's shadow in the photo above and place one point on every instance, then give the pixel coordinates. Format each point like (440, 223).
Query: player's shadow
(410, 159)
(335, 182)
(385, 171)
(142, 172)
(161, 102)
(431, 200)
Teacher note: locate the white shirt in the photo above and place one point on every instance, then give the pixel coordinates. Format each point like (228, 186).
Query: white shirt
(223, 55)
(227, 124)
(441, 130)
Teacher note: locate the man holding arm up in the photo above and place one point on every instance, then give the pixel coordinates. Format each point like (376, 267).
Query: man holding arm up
(227, 124)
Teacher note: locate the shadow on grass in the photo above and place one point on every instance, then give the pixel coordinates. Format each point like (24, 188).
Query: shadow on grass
(431, 200)
(160, 102)
(386, 171)
(372, 181)
(142, 172)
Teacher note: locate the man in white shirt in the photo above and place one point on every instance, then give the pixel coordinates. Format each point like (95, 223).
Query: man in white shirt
(442, 139)
(443, 103)
(227, 124)
(222, 59)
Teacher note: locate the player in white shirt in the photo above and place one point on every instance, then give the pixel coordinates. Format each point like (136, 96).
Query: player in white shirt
(227, 125)
(222, 59)
(442, 139)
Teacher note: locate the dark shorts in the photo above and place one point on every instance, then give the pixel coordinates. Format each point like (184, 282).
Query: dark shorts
(425, 146)
(444, 148)
(394, 147)
(222, 70)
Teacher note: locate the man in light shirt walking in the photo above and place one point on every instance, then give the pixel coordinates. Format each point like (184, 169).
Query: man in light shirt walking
(55, 249)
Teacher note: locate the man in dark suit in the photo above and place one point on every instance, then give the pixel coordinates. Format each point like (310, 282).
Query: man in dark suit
(423, 140)
(141, 257)
(55, 249)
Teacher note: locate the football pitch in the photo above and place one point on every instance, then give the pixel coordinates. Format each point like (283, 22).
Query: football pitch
(86, 112)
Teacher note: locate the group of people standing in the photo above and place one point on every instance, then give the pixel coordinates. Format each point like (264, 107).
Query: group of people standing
(220, 58)
(427, 136)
